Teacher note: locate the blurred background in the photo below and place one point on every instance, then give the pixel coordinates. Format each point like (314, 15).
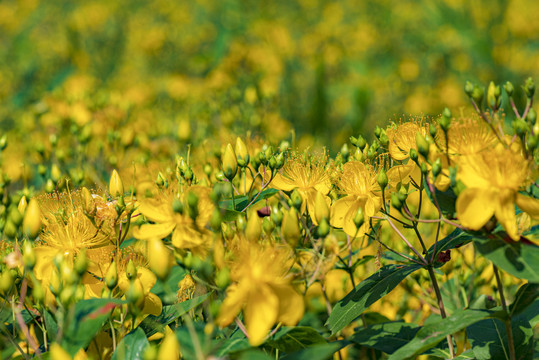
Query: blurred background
(133, 71)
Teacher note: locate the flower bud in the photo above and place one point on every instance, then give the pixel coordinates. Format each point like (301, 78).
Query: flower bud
(222, 278)
(531, 116)
(520, 127)
(422, 145)
(280, 160)
(359, 218)
(445, 120)
(377, 131)
(58, 353)
(509, 88)
(6, 281)
(277, 215)
(345, 152)
(55, 285)
(413, 155)
(56, 174)
(529, 87)
(159, 258)
(253, 230)
(361, 142)
(28, 255)
(38, 293)
(395, 201)
(321, 208)
(532, 141)
(268, 226)
(241, 224)
(22, 205)
(432, 130)
(131, 270)
(384, 140)
(31, 224)
(493, 96)
(81, 263)
(468, 88)
(10, 229)
(477, 95)
(215, 220)
(296, 200)
(323, 228)
(230, 165)
(437, 167)
(192, 202)
(111, 278)
(3, 142)
(88, 201)
(116, 186)
(241, 153)
(15, 216)
(49, 186)
(135, 293)
(382, 179)
(290, 227)
(169, 348)
(68, 276)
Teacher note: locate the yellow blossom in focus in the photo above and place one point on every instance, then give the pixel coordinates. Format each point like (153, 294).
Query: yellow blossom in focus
(493, 179)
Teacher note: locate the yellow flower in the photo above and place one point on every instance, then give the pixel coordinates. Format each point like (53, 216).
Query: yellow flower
(358, 183)
(469, 136)
(308, 176)
(402, 138)
(186, 233)
(493, 179)
(262, 290)
(66, 231)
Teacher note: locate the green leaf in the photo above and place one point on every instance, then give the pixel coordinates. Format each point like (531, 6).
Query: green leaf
(515, 257)
(254, 354)
(431, 334)
(86, 321)
(237, 342)
(317, 352)
(446, 200)
(386, 337)
(242, 201)
(455, 239)
(468, 354)
(153, 324)
(367, 293)
(132, 346)
(289, 339)
(489, 339)
(524, 297)
(177, 273)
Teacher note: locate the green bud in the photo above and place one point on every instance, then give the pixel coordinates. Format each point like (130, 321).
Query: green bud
(437, 167)
(529, 87)
(272, 163)
(230, 165)
(276, 215)
(477, 95)
(424, 168)
(3, 142)
(268, 226)
(433, 130)
(531, 143)
(493, 96)
(468, 88)
(345, 151)
(353, 140)
(28, 255)
(10, 230)
(413, 155)
(241, 224)
(111, 278)
(215, 220)
(384, 140)
(382, 179)
(531, 116)
(6, 281)
(81, 263)
(509, 88)
(49, 186)
(395, 201)
(280, 160)
(422, 145)
(323, 228)
(377, 131)
(131, 270)
(361, 142)
(520, 127)
(15, 216)
(359, 218)
(296, 199)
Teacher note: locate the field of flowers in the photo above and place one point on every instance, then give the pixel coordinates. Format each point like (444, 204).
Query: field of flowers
(254, 180)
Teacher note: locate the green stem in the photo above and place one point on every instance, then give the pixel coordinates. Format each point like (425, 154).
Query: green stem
(441, 307)
(508, 328)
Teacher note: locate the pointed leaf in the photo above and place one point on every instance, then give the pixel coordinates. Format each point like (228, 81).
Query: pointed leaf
(132, 346)
(367, 293)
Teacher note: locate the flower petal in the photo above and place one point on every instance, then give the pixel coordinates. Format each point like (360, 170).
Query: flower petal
(148, 231)
(155, 210)
(475, 207)
(236, 295)
(505, 213)
(260, 313)
(528, 205)
(339, 209)
(291, 306)
(283, 183)
(152, 305)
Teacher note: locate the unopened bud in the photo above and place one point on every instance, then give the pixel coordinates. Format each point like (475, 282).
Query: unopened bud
(321, 208)
(215, 220)
(290, 227)
(31, 224)
(468, 88)
(296, 200)
(529, 87)
(241, 153)
(477, 95)
(28, 255)
(531, 116)
(509, 88)
(116, 186)
(111, 278)
(382, 179)
(230, 165)
(437, 167)
(23, 203)
(131, 270)
(277, 215)
(323, 228)
(169, 348)
(135, 293)
(159, 258)
(395, 201)
(359, 218)
(253, 230)
(422, 145)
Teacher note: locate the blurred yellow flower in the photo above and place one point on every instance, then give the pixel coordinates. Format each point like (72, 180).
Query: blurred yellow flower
(493, 179)
(262, 290)
(186, 233)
